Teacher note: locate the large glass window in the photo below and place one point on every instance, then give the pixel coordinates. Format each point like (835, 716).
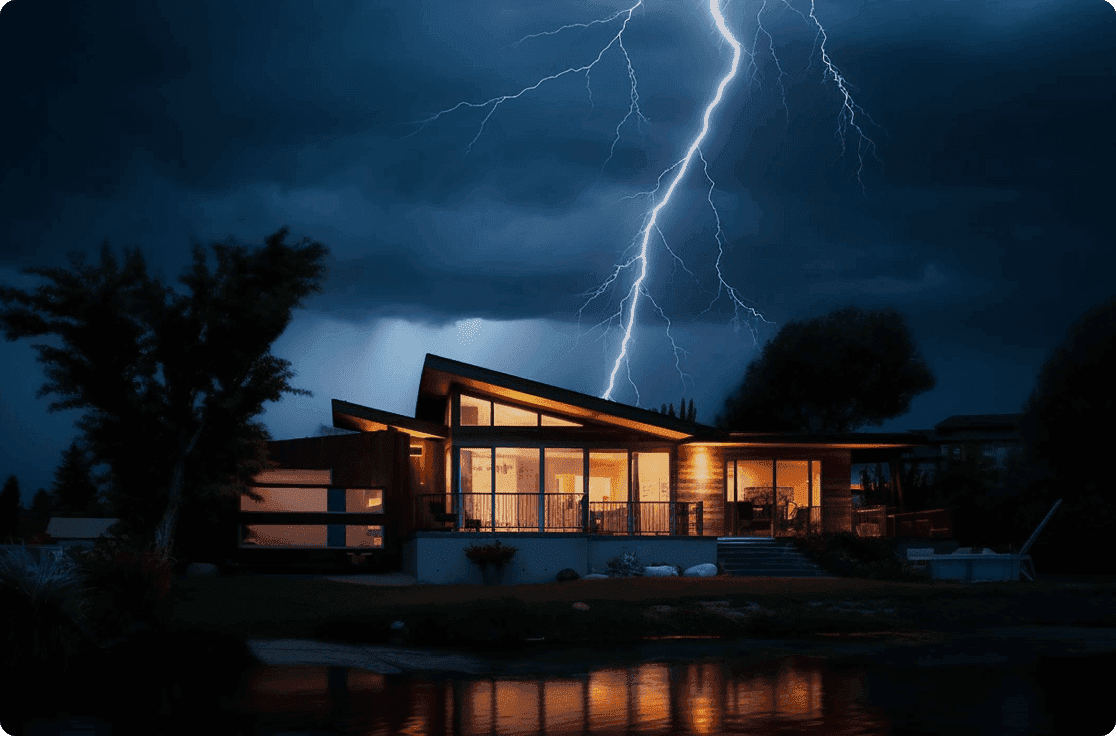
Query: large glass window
(286, 499)
(475, 412)
(651, 483)
(517, 488)
(565, 475)
(476, 485)
(556, 422)
(367, 500)
(793, 478)
(608, 476)
(312, 535)
(512, 416)
(787, 492)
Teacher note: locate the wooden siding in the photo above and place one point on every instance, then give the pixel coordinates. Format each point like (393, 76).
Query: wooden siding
(701, 477)
(378, 459)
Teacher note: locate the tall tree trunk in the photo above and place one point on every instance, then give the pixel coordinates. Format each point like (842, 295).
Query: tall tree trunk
(164, 534)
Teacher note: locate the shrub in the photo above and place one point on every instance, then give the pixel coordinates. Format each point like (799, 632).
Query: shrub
(41, 627)
(626, 565)
(126, 580)
(847, 555)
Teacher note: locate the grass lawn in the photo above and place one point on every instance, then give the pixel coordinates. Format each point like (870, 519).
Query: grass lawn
(467, 616)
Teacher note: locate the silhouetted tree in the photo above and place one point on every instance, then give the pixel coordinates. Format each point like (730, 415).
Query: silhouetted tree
(9, 509)
(74, 493)
(834, 373)
(171, 383)
(1065, 436)
(324, 430)
(41, 503)
(691, 415)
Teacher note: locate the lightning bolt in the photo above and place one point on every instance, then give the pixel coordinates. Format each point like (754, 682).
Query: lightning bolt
(847, 120)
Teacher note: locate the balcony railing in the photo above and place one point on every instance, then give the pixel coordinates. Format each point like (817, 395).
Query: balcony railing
(560, 512)
(879, 521)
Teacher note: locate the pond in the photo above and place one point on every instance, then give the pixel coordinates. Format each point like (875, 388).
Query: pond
(689, 689)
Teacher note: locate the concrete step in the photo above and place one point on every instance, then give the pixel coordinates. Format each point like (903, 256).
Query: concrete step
(765, 557)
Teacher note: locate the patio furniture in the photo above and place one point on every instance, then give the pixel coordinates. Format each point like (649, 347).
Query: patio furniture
(439, 513)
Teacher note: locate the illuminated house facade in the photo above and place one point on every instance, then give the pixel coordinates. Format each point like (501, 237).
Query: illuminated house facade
(571, 479)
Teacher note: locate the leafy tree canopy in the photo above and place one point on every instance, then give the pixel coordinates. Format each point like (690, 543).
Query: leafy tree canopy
(170, 382)
(833, 373)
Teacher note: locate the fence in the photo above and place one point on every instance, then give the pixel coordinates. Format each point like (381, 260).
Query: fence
(561, 512)
(875, 521)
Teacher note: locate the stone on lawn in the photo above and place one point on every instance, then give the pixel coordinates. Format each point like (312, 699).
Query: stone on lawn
(596, 576)
(660, 571)
(704, 570)
(566, 575)
(201, 570)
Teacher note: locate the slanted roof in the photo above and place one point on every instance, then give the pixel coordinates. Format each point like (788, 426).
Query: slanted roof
(440, 374)
(347, 415)
(842, 440)
(73, 528)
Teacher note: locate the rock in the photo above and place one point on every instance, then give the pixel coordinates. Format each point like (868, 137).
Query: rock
(581, 606)
(704, 570)
(201, 570)
(661, 571)
(596, 576)
(566, 575)
(399, 633)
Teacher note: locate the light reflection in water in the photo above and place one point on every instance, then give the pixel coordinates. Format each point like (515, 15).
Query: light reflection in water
(703, 697)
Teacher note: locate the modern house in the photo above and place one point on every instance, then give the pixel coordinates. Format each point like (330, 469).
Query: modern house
(569, 479)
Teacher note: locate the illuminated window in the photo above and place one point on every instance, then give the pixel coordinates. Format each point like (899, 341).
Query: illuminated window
(475, 412)
(556, 422)
(311, 535)
(368, 500)
(286, 499)
(310, 477)
(510, 416)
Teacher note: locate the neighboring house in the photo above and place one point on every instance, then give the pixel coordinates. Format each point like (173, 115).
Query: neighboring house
(569, 478)
(77, 532)
(995, 436)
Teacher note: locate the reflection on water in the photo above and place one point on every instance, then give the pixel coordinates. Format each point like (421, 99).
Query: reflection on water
(794, 695)
(695, 698)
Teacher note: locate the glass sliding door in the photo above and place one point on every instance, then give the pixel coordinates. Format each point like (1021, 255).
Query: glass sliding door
(564, 483)
(792, 495)
(651, 487)
(608, 492)
(476, 487)
(517, 489)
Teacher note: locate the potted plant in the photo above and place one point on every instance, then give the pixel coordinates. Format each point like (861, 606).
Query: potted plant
(491, 558)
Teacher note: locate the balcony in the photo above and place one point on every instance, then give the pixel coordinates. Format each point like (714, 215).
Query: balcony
(879, 521)
(560, 512)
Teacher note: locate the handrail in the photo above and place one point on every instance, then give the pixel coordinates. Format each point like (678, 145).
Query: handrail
(471, 511)
(1027, 546)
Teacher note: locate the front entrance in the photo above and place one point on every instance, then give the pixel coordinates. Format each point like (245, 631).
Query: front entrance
(769, 498)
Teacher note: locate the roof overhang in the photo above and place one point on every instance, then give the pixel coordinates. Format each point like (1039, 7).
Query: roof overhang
(440, 375)
(347, 415)
(844, 441)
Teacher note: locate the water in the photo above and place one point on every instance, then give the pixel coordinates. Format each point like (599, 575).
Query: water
(986, 685)
(702, 695)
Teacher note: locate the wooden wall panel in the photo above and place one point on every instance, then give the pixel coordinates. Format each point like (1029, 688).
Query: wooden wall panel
(701, 472)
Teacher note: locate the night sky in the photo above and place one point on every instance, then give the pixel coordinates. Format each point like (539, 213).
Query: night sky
(986, 218)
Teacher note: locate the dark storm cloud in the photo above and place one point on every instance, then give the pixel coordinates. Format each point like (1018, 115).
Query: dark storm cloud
(984, 219)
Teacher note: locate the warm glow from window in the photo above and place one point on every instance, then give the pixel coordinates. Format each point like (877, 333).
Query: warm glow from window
(511, 416)
(286, 499)
(475, 412)
(608, 476)
(368, 500)
(309, 477)
(556, 422)
(702, 459)
(284, 535)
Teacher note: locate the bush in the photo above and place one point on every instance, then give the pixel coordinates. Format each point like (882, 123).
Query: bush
(848, 555)
(626, 565)
(127, 582)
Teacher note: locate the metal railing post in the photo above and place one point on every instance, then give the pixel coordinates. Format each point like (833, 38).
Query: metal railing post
(700, 509)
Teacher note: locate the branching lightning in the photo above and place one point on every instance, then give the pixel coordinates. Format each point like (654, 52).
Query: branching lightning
(629, 304)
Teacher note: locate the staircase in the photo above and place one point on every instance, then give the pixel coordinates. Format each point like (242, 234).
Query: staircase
(764, 557)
